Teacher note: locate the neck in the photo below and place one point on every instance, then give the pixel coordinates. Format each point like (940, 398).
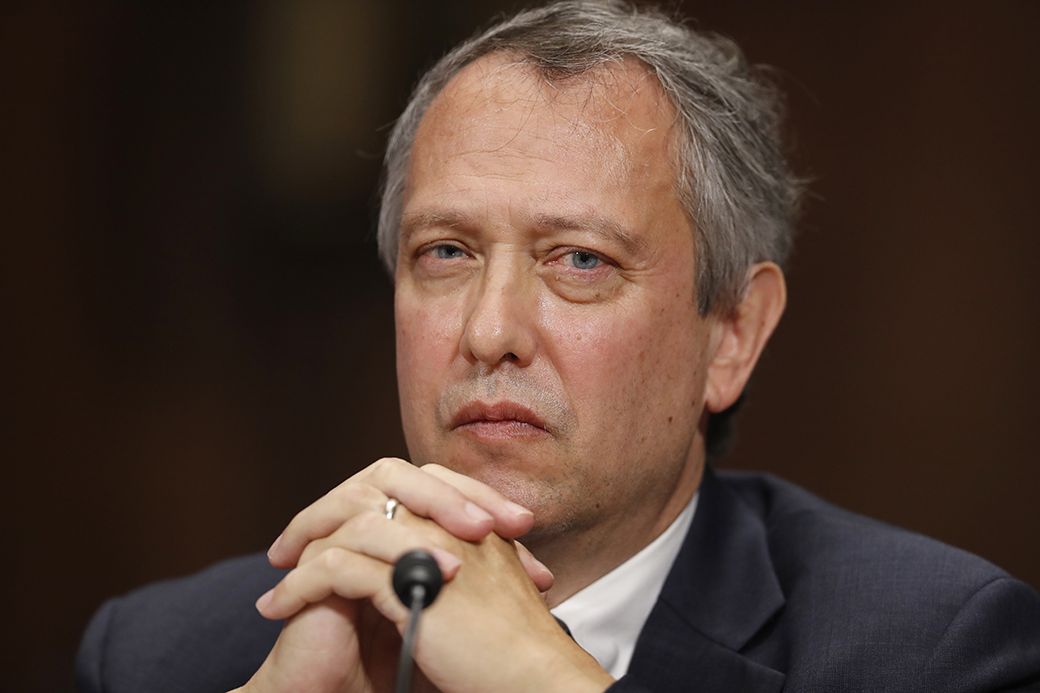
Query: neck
(577, 558)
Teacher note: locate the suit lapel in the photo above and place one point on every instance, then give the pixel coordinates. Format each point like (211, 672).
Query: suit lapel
(721, 591)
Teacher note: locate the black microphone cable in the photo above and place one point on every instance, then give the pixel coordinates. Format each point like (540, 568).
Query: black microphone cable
(417, 580)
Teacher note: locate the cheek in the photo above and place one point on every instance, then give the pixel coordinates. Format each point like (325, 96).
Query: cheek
(597, 359)
(631, 369)
(426, 325)
(427, 343)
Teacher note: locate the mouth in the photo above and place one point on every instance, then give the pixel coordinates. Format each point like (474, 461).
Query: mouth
(498, 420)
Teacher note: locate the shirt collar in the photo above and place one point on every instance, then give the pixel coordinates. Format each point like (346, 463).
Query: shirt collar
(605, 617)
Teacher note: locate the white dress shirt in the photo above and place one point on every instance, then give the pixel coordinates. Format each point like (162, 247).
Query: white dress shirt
(605, 618)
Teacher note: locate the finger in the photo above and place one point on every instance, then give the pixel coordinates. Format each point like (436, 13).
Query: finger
(511, 520)
(375, 536)
(368, 490)
(430, 497)
(335, 572)
(322, 517)
(536, 570)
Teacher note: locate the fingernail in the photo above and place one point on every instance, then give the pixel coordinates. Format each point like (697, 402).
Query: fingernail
(518, 509)
(265, 600)
(477, 513)
(447, 561)
(274, 546)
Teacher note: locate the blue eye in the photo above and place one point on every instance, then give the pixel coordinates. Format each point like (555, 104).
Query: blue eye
(583, 260)
(447, 252)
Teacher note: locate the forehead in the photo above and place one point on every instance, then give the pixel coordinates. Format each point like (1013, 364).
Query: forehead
(614, 113)
(604, 93)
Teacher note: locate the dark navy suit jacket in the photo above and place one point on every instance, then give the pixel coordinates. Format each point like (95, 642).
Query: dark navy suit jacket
(772, 590)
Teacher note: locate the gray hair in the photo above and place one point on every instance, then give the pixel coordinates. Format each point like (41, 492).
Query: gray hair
(731, 175)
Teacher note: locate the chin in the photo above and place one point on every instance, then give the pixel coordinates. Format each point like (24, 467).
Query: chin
(496, 461)
(558, 506)
(505, 475)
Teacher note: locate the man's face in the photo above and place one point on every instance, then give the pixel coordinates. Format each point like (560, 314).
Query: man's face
(548, 341)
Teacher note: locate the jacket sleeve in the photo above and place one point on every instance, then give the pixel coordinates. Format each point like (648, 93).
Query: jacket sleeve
(201, 633)
(90, 660)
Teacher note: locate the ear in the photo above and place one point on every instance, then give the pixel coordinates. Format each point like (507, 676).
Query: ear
(741, 335)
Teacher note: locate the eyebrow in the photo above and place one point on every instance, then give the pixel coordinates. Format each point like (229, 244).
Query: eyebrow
(599, 225)
(410, 223)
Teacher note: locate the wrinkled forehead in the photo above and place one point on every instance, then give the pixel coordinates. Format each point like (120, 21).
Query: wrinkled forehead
(610, 90)
(617, 105)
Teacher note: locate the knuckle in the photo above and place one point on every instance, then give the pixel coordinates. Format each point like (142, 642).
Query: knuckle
(355, 496)
(364, 522)
(387, 468)
(385, 465)
(334, 560)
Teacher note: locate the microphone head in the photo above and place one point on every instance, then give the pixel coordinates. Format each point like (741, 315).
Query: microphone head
(417, 568)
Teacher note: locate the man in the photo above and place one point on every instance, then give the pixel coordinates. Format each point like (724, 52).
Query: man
(585, 213)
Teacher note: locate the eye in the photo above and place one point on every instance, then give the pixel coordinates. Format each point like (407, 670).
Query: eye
(447, 252)
(584, 260)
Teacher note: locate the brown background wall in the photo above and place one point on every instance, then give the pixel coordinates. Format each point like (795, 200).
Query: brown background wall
(197, 340)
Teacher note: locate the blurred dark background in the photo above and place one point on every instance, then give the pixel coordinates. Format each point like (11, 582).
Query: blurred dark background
(197, 339)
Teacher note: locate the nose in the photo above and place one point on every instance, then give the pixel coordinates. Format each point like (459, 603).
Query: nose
(501, 325)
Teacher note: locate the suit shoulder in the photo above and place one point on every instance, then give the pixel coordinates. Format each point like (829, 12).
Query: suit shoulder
(199, 633)
(806, 533)
(930, 613)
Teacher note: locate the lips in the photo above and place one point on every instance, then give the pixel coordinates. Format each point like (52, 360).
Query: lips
(498, 419)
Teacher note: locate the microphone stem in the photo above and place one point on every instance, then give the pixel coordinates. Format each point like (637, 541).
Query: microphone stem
(404, 664)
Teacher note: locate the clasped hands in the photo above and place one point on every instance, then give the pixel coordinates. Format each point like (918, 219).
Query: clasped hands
(489, 630)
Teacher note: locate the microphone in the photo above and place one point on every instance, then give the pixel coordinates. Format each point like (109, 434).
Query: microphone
(417, 580)
(417, 569)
